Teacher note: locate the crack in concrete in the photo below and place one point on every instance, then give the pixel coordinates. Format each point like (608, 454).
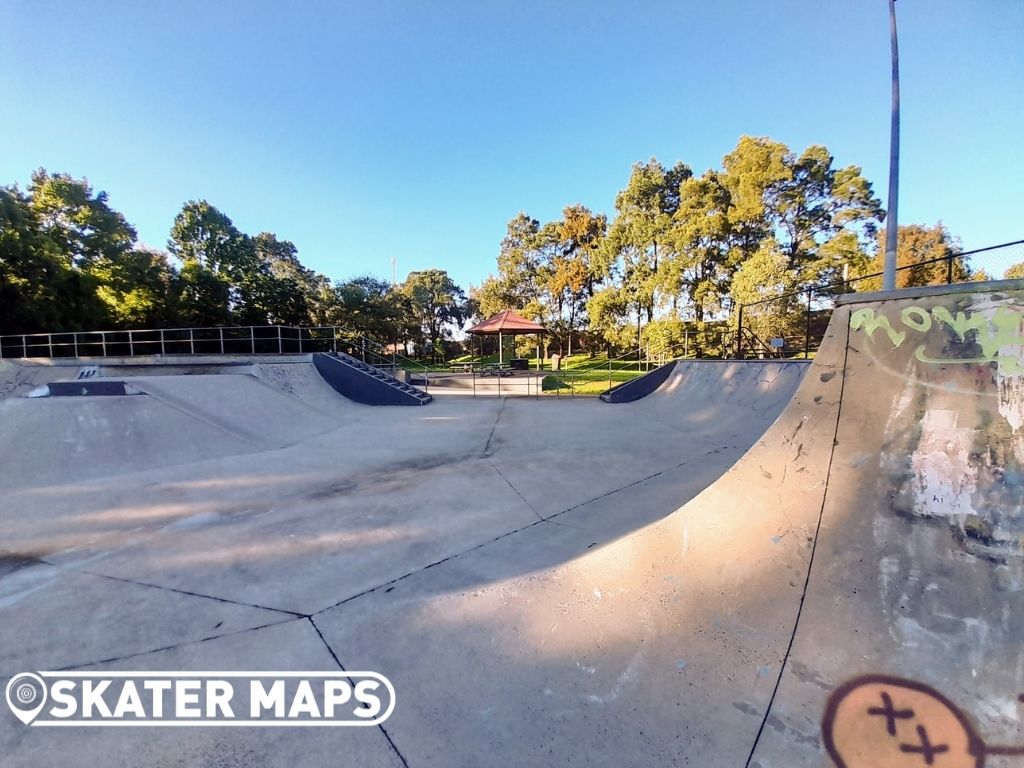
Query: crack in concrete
(814, 548)
(527, 503)
(494, 426)
(341, 666)
(513, 532)
(293, 614)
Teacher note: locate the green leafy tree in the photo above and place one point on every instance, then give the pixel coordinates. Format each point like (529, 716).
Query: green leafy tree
(755, 286)
(703, 233)
(640, 244)
(85, 229)
(436, 304)
(38, 289)
(138, 289)
(923, 257)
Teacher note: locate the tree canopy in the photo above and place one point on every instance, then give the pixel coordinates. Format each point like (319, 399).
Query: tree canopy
(679, 253)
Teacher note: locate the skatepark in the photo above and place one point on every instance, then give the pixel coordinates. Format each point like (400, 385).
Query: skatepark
(716, 573)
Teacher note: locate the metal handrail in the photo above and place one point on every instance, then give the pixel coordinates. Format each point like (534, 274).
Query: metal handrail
(572, 376)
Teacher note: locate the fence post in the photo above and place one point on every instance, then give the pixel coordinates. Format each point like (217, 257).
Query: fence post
(49, 343)
(131, 345)
(103, 342)
(192, 340)
(807, 328)
(252, 339)
(949, 268)
(739, 334)
(279, 347)
(74, 340)
(163, 348)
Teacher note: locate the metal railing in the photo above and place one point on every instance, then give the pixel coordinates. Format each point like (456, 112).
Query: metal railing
(217, 340)
(575, 380)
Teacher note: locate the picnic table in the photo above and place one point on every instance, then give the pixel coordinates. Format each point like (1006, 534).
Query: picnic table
(463, 367)
(496, 369)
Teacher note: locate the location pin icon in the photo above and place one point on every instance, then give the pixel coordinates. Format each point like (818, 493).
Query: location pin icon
(26, 695)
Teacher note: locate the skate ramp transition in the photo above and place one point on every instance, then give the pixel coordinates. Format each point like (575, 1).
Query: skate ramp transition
(167, 414)
(711, 379)
(851, 592)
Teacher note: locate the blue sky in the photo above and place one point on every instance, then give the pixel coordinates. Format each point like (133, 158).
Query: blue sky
(416, 130)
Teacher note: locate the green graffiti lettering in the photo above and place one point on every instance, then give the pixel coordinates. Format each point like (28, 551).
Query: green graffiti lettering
(962, 323)
(916, 319)
(870, 322)
(994, 331)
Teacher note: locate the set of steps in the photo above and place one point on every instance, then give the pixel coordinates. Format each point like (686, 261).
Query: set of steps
(365, 384)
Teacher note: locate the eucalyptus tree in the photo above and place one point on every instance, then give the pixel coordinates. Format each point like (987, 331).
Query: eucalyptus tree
(640, 242)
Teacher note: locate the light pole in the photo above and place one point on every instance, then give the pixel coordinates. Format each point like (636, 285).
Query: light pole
(891, 226)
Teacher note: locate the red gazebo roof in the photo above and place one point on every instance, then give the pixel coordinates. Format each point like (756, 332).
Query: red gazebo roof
(508, 322)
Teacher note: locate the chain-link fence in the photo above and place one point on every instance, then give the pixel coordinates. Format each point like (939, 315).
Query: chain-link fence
(793, 324)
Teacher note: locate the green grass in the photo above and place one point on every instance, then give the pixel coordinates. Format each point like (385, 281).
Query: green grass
(589, 383)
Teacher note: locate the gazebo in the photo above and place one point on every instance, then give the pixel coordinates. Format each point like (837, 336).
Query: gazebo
(505, 323)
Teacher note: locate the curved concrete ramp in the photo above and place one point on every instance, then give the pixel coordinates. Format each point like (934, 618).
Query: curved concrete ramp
(659, 648)
(168, 420)
(717, 635)
(848, 593)
(918, 570)
(770, 381)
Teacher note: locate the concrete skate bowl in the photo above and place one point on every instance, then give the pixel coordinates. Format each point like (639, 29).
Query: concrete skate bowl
(175, 413)
(198, 564)
(496, 573)
(868, 544)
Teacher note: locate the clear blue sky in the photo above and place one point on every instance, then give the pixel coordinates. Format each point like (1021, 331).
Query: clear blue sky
(362, 131)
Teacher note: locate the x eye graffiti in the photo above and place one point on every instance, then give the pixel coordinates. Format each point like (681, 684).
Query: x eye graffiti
(878, 721)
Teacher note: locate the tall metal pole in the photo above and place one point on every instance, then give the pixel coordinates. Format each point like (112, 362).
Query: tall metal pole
(891, 225)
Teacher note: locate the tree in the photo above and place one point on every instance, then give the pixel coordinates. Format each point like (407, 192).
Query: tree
(639, 241)
(607, 311)
(762, 277)
(85, 229)
(372, 308)
(38, 289)
(101, 282)
(138, 290)
(924, 256)
(1014, 272)
(568, 271)
(284, 289)
(702, 233)
(436, 303)
(213, 250)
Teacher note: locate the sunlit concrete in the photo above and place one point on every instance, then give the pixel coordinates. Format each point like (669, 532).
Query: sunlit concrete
(217, 503)
(680, 580)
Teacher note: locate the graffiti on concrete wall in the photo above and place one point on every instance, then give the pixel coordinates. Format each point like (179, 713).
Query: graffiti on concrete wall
(876, 721)
(997, 332)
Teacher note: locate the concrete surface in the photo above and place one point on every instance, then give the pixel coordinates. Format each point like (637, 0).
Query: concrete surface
(564, 581)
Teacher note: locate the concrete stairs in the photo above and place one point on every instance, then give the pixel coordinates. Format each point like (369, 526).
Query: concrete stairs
(365, 384)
